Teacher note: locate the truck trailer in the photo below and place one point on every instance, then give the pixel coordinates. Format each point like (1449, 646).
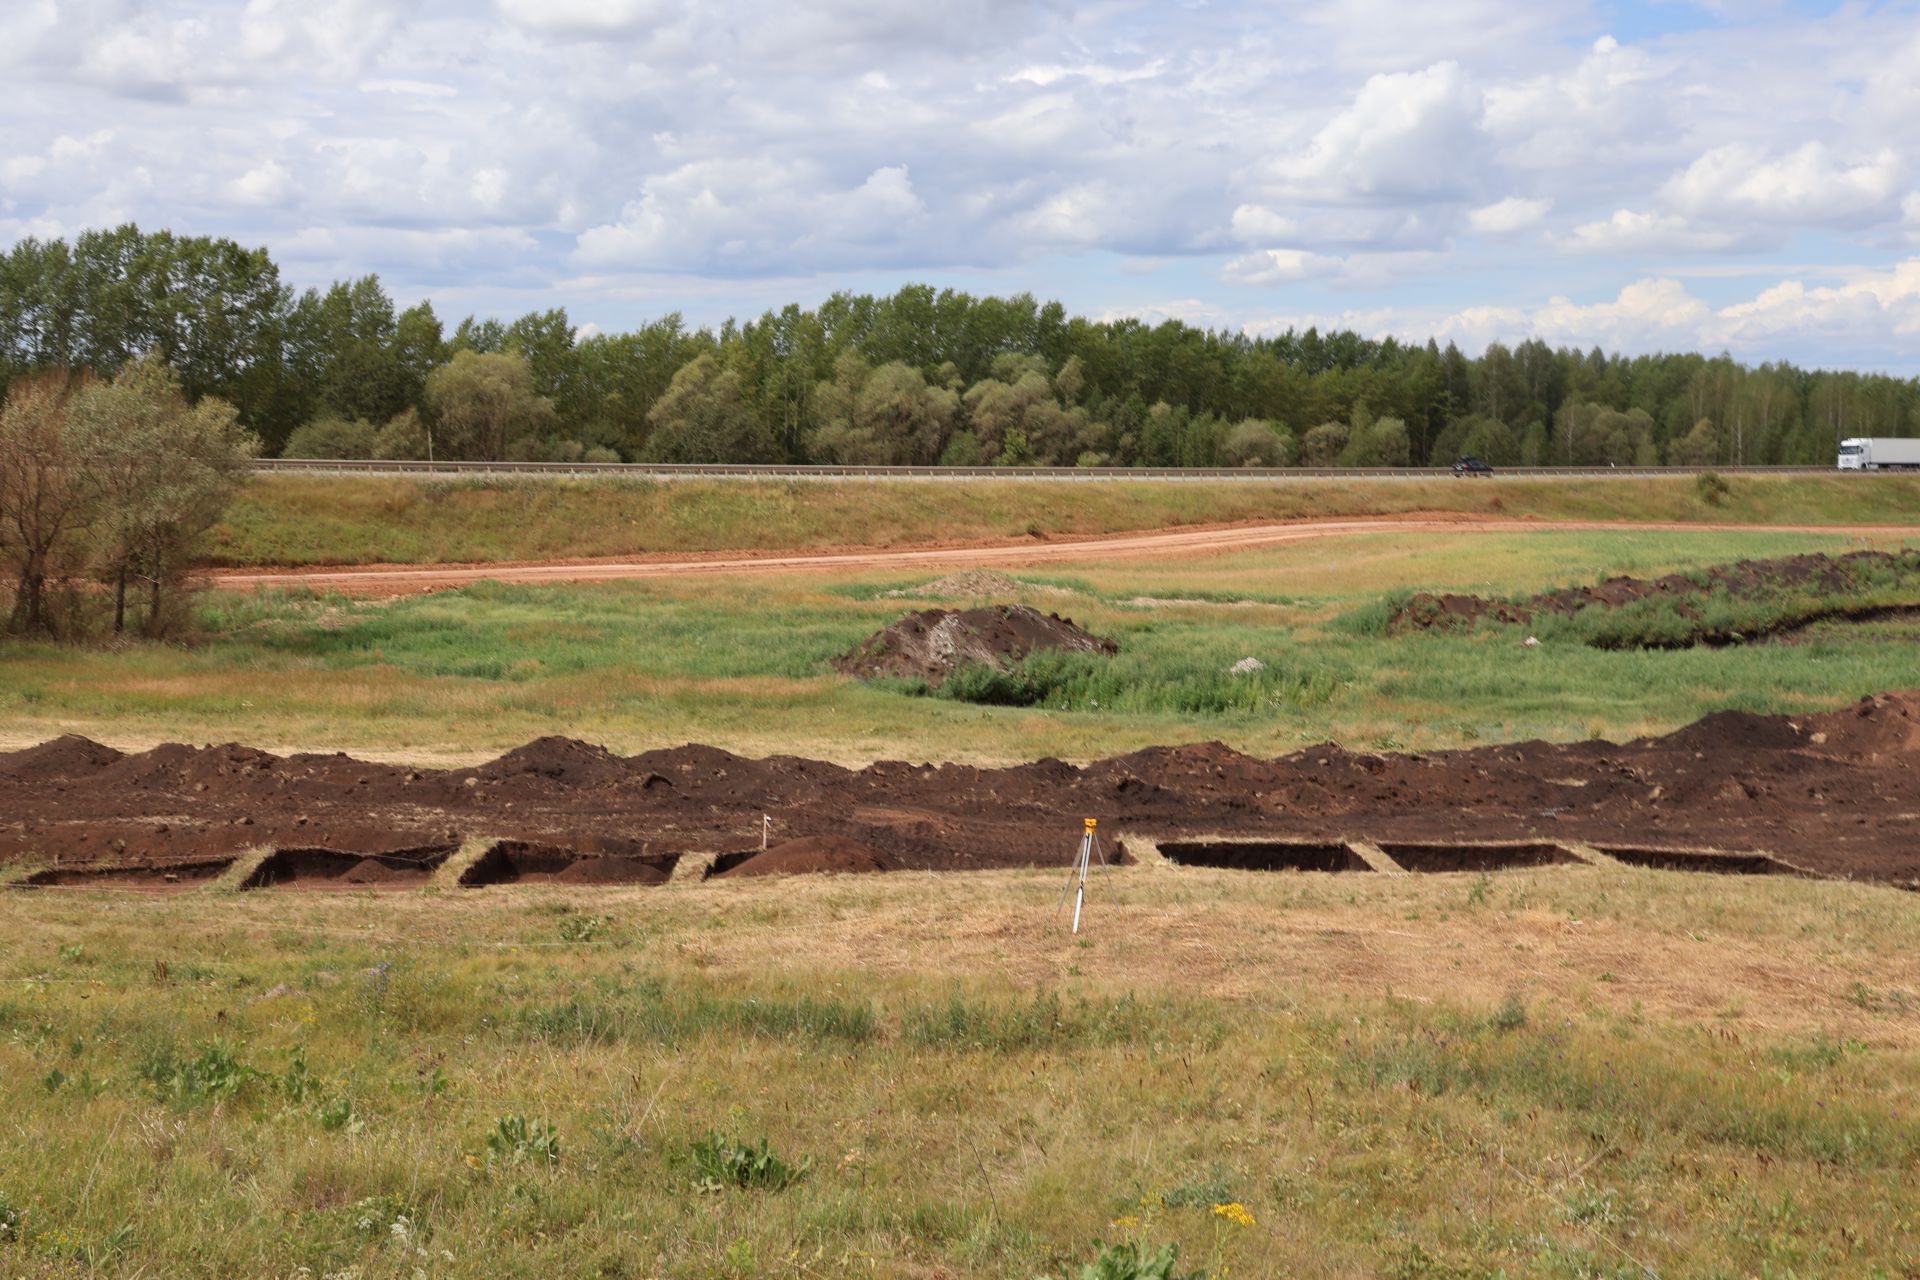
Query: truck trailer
(1879, 453)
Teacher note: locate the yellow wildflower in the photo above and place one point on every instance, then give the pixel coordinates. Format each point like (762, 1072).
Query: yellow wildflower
(1235, 1212)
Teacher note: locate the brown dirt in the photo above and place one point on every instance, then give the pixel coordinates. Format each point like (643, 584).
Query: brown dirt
(391, 580)
(1836, 793)
(1806, 575)
(810, 854)
(310, 868)
(934, 643)
(521, 862)
(165, 877)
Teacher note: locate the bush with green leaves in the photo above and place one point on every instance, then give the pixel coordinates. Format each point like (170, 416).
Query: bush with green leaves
(1129, 1260)
(215, 1074)
(9, 1220)
(514, 1139)
(720, 1162)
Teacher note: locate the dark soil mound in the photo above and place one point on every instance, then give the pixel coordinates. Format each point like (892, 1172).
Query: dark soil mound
(1816, 575)
(70, 756)
(1833, 792)
(523, 862)
(934, 643)
(563, 760)
(1734, 731)
(1885, 724)
(615, 869)
(309, 866)
(811, 854)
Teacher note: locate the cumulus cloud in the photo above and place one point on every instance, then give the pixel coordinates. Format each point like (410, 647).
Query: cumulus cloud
(1630, 231)
(1406, 134)
(581, 17)
(1808, 185)
(664, 152)
(752, 215)
(1506, 217)
(267, 184)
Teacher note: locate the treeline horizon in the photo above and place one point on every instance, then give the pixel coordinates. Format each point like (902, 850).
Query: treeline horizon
(922, 376)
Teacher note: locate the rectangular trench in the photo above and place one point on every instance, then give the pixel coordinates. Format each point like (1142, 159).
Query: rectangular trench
(529, 863)
(1438, 856)
(1264, 855)
(1730, 864)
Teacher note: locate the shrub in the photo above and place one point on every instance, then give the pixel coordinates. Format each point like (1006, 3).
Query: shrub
(1712, 488)
(515, 1139)
(722, 1162)
(1130, 1261)
(215, 1074)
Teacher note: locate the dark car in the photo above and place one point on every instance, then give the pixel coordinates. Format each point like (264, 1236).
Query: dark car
(1471, 467)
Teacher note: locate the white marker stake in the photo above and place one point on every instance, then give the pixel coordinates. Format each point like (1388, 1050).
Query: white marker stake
(1078, 898)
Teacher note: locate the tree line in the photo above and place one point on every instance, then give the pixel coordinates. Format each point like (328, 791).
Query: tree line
(922, 376)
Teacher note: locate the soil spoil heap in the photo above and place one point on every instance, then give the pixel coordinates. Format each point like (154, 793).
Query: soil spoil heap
(934, 643)
(1832, 792)
(1817, 575)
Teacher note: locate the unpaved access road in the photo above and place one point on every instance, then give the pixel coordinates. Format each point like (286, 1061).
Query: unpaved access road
(391, 580)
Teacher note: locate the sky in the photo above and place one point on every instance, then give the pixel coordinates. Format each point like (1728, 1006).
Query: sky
(1734, 175)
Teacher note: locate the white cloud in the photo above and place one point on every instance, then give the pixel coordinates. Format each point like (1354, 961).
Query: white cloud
(1631, 232)
(1272, 267)
(1408, 134)
(750, 215)
(1255, 224)
(411, 88)
(15, 169)
(268, 184)
(1506, 217)
(580, 17)
(708, 155)
(1805, 186)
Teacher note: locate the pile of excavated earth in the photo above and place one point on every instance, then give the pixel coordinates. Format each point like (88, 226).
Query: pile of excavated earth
(934, 643)
(1818, 576)
(1830, 794)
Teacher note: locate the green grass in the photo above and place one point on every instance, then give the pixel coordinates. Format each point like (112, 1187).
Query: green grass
(308, 520)
(1577, 1073)
(742, 662)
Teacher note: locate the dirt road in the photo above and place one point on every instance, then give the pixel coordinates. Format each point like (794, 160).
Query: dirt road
(388, 580)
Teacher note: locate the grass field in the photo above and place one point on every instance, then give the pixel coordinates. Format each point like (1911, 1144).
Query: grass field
(1564, 1072)
(306, 520)
(1558, 1073)
(741, 662)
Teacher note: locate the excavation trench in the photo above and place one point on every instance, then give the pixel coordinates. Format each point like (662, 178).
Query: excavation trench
(1735, 864)
(167, 877)
(1421, 856)
(312, 868)
(524, 862)
(1264, 855)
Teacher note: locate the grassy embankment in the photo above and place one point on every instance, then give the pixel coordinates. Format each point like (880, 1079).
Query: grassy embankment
(741, 661)
(1555, 1073)
(300, 520)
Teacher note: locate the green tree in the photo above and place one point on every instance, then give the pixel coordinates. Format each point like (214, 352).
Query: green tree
(161, 471)
(1253, 443)
(704, 417)
(47, 498)
(482, 406)
(880, 417)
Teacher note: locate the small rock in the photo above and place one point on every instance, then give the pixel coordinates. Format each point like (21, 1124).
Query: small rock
(1531, 642)
(1246, 667)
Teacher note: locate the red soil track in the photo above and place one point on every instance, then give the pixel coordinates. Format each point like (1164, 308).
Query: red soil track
(389, 580)
(1836, 793)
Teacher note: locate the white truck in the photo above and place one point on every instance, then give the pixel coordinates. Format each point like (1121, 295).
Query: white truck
(1879, 453)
